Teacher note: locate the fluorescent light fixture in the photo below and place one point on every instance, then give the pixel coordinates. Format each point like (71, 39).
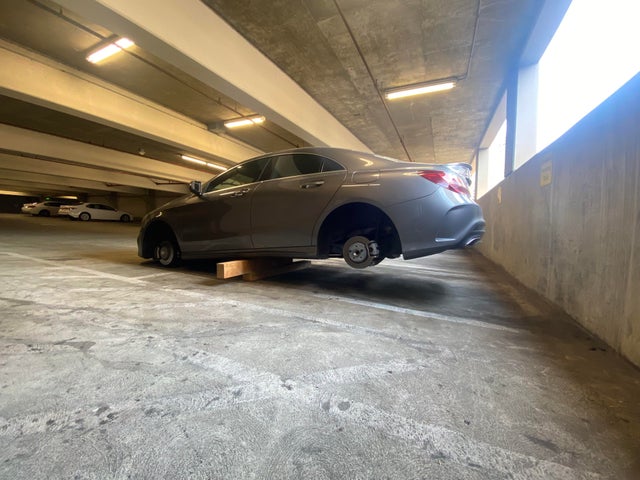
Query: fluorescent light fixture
(194, 160)
(213, 165)
(110, 49)
(201, 162)
(244, 122)
(419, 89)
(18, 194)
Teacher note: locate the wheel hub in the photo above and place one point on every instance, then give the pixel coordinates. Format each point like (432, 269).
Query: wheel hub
(358, 252)
(164, 253)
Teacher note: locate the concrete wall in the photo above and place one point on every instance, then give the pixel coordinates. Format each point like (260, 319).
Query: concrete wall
(137, 206)
(13, 203)
(576, 240)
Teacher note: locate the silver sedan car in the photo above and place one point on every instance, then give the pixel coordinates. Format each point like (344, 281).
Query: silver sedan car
(317, 203)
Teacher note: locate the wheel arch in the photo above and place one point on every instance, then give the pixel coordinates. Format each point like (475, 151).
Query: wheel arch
(357, 218)
(153, 233)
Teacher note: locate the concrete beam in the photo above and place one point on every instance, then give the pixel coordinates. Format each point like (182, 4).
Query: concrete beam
(189, 35)
(38, 189)
(49, 146)
(74, 173)
(28, 76)
(7, 174)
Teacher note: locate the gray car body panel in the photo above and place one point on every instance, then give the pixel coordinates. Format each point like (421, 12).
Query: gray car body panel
(284, 216)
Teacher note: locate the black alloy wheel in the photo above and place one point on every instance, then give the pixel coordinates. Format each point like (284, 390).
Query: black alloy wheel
(166, 253)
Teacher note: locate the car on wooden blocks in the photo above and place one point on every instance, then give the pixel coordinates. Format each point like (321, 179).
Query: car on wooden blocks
(318, 203)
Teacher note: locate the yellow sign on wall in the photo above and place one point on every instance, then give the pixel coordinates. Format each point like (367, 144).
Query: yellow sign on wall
(546, 171)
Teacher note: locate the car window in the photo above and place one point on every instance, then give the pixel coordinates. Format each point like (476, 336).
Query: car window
(331, 166)
(241, 175)
(295, 164)
(291, 165)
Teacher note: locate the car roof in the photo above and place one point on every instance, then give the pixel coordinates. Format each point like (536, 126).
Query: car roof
(350, 159)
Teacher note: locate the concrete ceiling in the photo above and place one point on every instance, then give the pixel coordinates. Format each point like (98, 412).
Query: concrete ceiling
(342, 54)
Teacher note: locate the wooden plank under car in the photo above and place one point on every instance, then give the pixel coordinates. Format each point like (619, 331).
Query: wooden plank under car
(253, 269)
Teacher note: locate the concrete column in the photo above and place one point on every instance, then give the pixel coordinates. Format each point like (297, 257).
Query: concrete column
(522, 117)
(150, 200)
(527, 114)
(482, 172)
(512, 113)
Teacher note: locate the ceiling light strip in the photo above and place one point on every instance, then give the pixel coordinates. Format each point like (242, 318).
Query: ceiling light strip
(109, 50)
(419, 89)
(244, 122)
(202, 162)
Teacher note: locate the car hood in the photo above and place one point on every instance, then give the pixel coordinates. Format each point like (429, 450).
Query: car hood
(176, 202)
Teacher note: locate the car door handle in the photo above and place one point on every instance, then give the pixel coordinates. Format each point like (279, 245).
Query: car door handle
(240, 193)
(312, 185)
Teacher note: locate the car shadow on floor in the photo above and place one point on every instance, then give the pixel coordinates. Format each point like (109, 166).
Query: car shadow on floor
(405, 290)
(368, 285)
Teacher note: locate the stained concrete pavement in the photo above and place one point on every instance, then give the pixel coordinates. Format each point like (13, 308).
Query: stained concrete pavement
(438, 368)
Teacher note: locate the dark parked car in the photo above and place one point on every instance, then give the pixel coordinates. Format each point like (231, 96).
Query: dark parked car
(318, 203)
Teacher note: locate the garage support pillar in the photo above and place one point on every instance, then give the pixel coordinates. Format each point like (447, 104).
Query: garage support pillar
(150, 200)
(522, 118)
(482, 172)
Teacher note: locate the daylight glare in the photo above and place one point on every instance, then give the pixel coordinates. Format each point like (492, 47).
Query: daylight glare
(595, 51)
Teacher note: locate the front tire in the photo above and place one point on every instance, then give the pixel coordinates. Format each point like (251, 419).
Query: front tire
(125, 218)
(44, 213)
(166, 253)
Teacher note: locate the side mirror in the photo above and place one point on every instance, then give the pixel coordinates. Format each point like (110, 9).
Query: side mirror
(196, 187)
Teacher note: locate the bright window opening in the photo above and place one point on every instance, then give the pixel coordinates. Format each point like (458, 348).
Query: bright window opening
(497, 148)
(595, 51)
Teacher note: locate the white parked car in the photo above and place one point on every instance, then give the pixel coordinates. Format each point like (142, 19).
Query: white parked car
(64, 210)
(46, 209)
(26, 207)
(98, 211)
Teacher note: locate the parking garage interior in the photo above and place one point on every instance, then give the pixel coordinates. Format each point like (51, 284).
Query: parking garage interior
(516, 358)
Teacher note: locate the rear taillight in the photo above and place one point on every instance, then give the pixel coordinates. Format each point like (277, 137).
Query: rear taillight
(447, 180)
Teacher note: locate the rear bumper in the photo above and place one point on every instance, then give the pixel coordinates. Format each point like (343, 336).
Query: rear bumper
(436, 223)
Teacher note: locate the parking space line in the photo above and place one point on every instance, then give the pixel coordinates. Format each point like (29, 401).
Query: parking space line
(420, 313)
(90, 271)
(365, 303)
(153, 275)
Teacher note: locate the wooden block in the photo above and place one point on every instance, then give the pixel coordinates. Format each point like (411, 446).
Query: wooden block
(235, 268)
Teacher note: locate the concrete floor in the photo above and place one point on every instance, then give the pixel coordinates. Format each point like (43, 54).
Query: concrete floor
(438, 368)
